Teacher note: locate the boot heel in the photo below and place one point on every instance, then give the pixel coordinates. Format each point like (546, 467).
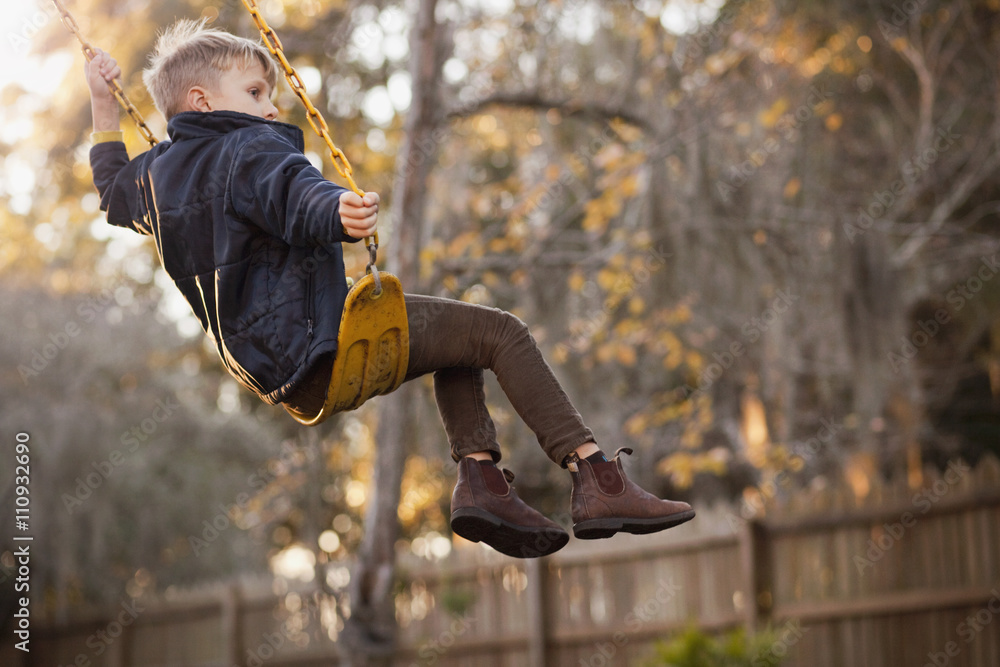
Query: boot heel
(473, 524)
(596, 529)
(491, 513)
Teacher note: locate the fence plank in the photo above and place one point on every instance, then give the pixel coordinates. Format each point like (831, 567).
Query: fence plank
(865, 585)
(537, 570)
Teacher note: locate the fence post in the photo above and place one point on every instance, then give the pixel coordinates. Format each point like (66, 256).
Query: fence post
(232, 635)
(535, 569)
(755, 564)
(116, 649)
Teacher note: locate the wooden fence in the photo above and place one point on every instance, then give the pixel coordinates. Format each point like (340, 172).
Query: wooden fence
(903, 577)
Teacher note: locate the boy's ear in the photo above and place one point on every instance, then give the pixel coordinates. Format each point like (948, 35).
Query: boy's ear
(197, 99)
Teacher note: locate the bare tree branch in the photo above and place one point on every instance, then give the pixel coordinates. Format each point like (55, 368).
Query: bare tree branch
(983, 165)
(567, 107)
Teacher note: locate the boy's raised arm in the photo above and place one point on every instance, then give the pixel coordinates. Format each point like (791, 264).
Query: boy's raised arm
(108, 157)
(104, 107)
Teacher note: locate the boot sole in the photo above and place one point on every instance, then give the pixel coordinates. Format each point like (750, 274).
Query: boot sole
(595, 529)
(478, 525)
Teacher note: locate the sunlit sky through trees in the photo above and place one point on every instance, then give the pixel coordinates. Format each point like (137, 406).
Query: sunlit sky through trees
(753, 241)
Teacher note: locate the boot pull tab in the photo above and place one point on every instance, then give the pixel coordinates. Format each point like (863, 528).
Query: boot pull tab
(623, 450)
(571, 460)
(508, 475)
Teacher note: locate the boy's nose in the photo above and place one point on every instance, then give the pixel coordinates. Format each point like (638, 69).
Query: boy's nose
(272, 113)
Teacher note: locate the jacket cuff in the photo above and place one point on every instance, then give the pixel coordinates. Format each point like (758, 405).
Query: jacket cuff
(107, 136)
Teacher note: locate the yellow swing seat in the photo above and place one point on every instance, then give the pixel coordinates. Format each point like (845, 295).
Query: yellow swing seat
(373, 348)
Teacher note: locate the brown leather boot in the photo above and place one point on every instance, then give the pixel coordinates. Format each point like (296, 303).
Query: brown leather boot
(606, 502)
(485, 508)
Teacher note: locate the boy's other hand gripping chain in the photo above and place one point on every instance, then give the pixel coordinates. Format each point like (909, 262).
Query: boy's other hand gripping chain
(359, 216)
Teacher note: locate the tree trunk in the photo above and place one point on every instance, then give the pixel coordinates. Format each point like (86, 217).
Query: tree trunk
(370, 632)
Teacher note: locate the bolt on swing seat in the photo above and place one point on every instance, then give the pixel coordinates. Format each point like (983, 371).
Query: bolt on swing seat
(373, 344)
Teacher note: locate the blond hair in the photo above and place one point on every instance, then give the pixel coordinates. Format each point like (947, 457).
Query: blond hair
(188, 54)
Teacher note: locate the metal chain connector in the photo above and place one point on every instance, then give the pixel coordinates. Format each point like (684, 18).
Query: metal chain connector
(315, 118)
(371, 268)
(114, 86)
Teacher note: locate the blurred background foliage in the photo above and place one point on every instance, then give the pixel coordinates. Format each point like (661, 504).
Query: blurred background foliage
(752, 237)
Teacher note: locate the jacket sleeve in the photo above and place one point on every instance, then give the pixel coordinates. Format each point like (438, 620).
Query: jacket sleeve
(275, 187)
(117, 181)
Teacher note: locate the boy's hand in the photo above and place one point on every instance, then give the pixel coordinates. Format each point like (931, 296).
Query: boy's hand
(359, 216)
(100, 71)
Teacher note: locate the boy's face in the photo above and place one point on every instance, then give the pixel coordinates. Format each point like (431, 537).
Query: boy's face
(243, 90)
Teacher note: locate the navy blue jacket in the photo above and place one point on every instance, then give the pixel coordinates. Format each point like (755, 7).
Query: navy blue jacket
(248, 230)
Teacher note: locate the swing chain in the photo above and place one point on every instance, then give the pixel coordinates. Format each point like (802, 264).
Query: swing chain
(371, 268)
(316, 120)
(114, 86)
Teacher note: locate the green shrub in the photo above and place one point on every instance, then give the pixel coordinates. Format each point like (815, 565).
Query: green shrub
(696, 648)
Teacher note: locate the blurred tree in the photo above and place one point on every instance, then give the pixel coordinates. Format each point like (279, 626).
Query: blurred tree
(763, 240)
(370, 630)
(745, 207)
(135, 470)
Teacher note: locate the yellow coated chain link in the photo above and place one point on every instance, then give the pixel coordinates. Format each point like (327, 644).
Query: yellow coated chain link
(114, 86)
(315, 118)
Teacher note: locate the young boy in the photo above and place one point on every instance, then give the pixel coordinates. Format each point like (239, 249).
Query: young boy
(251, 233)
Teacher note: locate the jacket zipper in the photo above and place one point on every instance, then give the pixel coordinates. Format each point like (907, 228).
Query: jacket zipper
(309, 305)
